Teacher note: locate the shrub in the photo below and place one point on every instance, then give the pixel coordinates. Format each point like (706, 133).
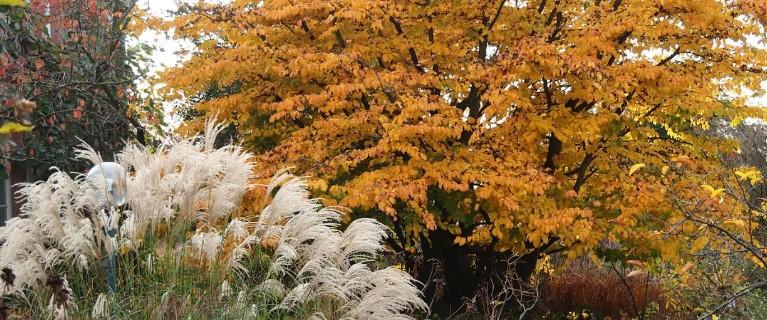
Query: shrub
(583, 286)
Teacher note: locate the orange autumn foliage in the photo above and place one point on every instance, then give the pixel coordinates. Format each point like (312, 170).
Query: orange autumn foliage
(515, 126)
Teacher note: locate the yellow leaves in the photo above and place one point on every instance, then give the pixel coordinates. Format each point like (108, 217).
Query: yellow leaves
(319, 185)
(756, 261)
(504, 222)
(497, 232)
(14, 127)
(683, 160)
(545, 265)
(752, 175)
(699, 243)
(335, 191)
(636, 167)
(736, 121)
(480, 236)
(686, 267)
(18, 3)
(739, 223)
(669, 250)
(713, 193)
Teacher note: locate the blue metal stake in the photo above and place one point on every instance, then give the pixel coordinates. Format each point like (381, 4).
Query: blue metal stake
(111, 278)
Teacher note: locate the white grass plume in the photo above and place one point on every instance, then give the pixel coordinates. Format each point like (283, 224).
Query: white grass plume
(52, 229)
(61, 221)
(316, 266)
(189, 180)
(207, 244)
(101, 307)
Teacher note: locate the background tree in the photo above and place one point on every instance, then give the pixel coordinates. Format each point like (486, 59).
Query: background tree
(70, 58)
(484, 131)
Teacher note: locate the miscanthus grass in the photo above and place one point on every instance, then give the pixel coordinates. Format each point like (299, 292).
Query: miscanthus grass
(184, 250)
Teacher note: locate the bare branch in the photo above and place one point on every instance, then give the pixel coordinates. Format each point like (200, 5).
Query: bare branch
(736, 296)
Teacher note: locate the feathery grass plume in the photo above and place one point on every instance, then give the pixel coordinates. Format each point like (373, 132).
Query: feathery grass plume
(318, 269)
(61, 298)
(21, 256)
(239, 252)
(225, 290)
(237, 229)
(180, 217)
(60, 226)
(52, 229)
(207, 244)
(85, 152)
(100, 307)
(186, 181)
(189, 182)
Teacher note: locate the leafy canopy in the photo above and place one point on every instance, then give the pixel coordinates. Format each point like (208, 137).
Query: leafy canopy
(70, 59)
(513, 125)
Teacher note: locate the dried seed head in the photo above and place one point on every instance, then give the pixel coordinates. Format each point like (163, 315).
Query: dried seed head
(7, 276)
(24, 106)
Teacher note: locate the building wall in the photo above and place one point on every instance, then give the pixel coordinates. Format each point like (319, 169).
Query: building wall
(18, 175)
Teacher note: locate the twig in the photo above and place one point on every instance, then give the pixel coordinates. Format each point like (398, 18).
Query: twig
(628, 289)
(732, 299)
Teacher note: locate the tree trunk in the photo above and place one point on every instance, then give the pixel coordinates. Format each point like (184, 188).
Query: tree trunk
(454, 262)
(464, 269)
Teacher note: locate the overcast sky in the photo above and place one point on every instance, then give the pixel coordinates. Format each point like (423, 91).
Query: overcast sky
(166, 53)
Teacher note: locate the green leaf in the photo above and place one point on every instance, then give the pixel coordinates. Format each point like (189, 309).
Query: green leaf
(13, 127)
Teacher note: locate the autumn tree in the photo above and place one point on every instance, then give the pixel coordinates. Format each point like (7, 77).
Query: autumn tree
(70, 58)
(481, 131)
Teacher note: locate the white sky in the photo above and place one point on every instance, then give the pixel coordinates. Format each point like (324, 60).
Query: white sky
(166, 53)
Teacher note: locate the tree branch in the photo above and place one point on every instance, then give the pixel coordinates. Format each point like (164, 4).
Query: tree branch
(743, 243)
(411, 50)
(472, 102)
(541, 6)
(340, 39)
(497, 14)
(736, 296)
(617, 4)
(306, 29)
(555, 147)
(582, 170)
(414, 59)
(670, 57)
(628, 289)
